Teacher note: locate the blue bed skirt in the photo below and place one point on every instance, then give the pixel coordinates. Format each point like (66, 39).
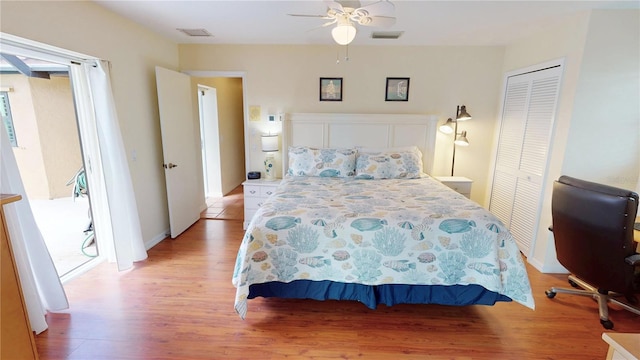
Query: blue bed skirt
(373, 295)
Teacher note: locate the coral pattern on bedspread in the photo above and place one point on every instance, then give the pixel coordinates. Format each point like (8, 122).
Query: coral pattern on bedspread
(395, 231)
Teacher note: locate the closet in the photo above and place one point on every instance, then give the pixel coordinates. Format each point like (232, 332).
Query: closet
(528, 113)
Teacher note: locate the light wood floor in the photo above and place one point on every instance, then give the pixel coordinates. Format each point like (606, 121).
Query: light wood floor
(178, 304)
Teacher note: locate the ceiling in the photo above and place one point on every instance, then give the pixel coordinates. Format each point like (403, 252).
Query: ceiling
(426, 22)
(11, 64)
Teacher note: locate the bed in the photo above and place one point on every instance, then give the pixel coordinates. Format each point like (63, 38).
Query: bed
(357, 217)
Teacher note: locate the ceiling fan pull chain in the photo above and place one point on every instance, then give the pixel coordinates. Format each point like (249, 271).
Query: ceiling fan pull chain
(346, 57)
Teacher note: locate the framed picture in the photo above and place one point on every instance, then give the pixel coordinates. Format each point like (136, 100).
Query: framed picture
(397, 89)
(330, 89)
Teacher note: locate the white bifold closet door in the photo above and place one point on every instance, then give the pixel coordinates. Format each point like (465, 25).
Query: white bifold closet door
(528, 114)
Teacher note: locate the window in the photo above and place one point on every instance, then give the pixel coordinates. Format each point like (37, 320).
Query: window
(5, 110)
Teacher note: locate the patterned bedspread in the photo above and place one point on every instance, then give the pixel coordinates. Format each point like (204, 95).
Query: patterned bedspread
(397, 231)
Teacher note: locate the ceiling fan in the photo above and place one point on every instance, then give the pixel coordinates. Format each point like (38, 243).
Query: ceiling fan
(346, 13)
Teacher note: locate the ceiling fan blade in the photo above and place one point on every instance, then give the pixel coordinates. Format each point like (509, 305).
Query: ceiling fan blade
(334, 6)
(380, 8)
(354, 4)
(316, 16)
(328, 23)
(377, 21)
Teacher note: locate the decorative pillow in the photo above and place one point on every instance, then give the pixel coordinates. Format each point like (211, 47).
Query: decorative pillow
(399, 149)
(388, 165)
(308, 161)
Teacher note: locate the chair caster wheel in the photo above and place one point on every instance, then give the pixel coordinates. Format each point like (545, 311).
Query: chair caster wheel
(573, 284)
(550, 294)
(607, 324)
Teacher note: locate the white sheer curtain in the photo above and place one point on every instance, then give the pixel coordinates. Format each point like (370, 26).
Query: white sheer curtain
(115, 214)
(40, 283)
(116, 220)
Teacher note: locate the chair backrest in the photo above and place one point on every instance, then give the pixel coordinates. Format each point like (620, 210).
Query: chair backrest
(593, 232)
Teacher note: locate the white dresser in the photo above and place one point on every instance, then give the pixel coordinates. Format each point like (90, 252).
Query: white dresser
(460, 184)
(255, 192)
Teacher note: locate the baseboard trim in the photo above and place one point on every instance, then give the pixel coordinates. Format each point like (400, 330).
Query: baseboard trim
(82, 269)
(157, 239)
(547, 269)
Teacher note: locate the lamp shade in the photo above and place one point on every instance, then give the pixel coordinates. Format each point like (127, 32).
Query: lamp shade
(462, 139)
(344, 34)
(463, 114)
(447, 127)
(269, 143)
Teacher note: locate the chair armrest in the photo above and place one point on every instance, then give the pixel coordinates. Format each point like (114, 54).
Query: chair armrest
(633, 260)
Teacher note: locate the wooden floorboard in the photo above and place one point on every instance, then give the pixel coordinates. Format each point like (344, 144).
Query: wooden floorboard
(178, 304)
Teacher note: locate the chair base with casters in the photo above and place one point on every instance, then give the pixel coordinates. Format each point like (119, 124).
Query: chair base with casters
(603, 298)
(593, 234)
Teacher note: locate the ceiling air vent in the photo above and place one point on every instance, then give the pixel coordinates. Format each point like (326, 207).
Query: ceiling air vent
(386, 34)
(195, 32)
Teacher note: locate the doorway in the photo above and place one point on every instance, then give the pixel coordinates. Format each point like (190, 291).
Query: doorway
(182, 155)
(222, 130)
(38, 113)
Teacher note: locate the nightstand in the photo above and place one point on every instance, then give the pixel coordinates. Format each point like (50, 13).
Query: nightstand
(460, 184)
(255, 192)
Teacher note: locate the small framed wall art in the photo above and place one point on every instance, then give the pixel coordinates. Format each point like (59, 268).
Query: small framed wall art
(397, 89)
(330, 89)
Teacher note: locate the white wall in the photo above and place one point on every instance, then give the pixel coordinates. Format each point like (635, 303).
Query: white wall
(286, 79)
(603, 144)
(601, 56)
(133, 51)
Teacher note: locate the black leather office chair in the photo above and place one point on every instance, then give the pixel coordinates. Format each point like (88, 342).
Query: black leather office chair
(593, 231)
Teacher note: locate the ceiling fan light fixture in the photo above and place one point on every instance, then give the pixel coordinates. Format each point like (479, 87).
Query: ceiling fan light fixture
(348, 13)
(343, 34)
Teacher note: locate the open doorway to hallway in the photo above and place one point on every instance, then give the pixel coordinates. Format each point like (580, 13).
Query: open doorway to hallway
(39, 115)
(221, 114)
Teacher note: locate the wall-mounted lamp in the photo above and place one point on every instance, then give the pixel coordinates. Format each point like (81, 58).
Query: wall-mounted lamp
(269, 145)
(451, 127)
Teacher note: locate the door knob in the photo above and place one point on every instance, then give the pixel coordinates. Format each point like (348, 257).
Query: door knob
(170, 166)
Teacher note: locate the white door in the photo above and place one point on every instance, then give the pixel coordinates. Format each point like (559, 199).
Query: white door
(525, 134)
(180, 147)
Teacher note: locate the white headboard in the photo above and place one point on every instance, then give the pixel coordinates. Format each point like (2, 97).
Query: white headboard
(326, 130)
